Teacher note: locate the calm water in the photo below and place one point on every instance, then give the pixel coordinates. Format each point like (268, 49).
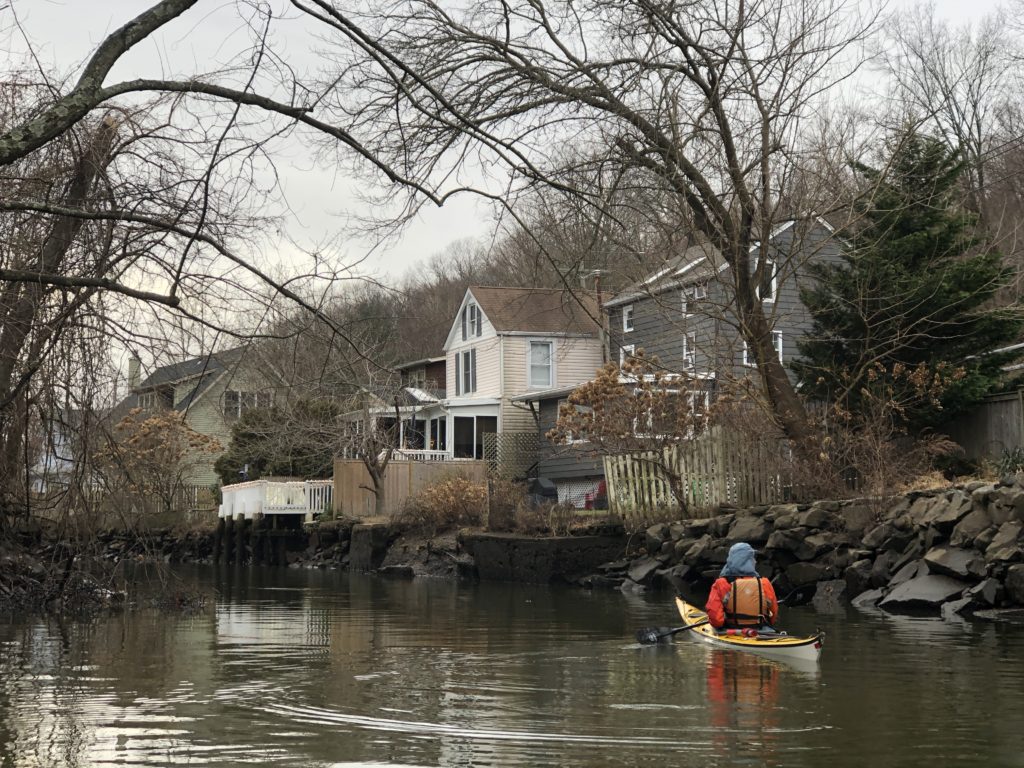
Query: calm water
(293, 668)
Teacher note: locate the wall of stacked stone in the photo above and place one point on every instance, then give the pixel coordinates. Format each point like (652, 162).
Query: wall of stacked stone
(956, 550)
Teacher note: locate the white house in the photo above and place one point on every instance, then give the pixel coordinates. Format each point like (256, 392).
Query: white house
(503, 343)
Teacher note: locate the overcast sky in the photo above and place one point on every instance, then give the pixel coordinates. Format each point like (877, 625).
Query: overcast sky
(64, 32)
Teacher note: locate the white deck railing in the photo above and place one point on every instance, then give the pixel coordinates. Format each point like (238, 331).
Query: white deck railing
(415, 454)
(266, 497)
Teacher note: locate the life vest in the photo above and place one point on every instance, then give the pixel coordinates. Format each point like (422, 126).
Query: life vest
(745, 604)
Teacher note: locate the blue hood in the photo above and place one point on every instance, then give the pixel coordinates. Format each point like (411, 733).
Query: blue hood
(740, 562)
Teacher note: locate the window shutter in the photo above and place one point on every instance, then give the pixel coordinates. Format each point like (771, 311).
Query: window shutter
(464, 310)
(472, 369)
(458, 372)
(479, 322)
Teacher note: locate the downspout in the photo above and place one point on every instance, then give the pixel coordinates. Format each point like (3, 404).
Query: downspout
(501, 380)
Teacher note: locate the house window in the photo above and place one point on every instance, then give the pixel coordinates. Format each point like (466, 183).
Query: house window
(540, 364)
(690, 350)
(472, 321)
(692, 296)
(417, 378)
(626, 352)
(465, 372)
(627, 318)
(776, 342)
(237, 402)
(768, 286)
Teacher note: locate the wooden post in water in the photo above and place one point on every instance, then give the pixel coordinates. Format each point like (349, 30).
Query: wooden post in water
(218, 540)
(229, 540)
(244, 528)
(259, 537)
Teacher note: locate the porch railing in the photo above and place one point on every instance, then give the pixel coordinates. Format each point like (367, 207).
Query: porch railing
(267, 497)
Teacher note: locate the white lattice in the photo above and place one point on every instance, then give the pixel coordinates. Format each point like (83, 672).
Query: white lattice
(578, 493)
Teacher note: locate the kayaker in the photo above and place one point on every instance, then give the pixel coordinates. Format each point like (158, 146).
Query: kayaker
(740, 598)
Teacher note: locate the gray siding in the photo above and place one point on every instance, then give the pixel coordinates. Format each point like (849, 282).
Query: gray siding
(563, 462)
(659, 324)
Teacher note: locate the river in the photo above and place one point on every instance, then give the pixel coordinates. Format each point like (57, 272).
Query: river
(310, 668)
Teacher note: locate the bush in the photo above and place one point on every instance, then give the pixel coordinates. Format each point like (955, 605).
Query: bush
(453, 502)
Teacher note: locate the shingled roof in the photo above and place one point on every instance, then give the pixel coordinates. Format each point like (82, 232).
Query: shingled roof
(537, 310)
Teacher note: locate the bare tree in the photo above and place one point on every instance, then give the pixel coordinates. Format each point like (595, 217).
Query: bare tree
(962, 81)
(701, 99)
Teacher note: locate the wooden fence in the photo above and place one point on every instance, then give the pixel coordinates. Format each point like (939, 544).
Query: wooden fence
(716, 468)
(995, 427)
(402, 480)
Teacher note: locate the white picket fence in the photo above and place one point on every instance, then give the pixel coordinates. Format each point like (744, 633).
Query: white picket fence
(267, 497)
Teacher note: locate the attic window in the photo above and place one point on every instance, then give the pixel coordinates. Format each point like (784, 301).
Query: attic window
(237, 402)
(766, 289)
(692, 295)
(472, 321)
(627, 318)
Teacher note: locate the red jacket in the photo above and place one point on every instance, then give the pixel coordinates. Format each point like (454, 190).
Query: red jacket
(716, 601)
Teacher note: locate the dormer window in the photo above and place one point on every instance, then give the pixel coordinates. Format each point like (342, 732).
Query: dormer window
(627, 318)
(472, 321)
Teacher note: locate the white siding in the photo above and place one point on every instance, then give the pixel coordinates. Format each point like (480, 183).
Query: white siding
(487, 367)
(575, 361)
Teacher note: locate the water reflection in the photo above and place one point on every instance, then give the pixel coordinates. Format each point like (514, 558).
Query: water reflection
(317, 669)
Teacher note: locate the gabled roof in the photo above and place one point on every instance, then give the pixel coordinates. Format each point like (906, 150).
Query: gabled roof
(537, 310)
(423, 361)
(204, 365)
(695, 264)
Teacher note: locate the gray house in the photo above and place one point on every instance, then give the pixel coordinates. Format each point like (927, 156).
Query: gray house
(684, 313)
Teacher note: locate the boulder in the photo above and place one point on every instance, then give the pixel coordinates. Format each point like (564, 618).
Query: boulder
(985, 538)
(787, 541)
(951, 610)
(803, 574)
(654, 537)
(857, 518)
(674, 577)
(816, 517)
(681, 547)
(945, 514)
(877, 536)
(867, 599)
(699, 527)
(396, 571)
(1005, 546)
(1003, 504)
(643, 569)
(830, 596)
(969, 528)
(858, 577)
(955, 562)
(814, 545)
(753, 530)
(784, 522)
(979, 496)
(630, 587)
(1015, 584)
(986, 593)
(698, 552)
(881, 569)
(676, 531)
(929, 591)
(909, 571)
(920, 509)
(598, 581)
(720, 525)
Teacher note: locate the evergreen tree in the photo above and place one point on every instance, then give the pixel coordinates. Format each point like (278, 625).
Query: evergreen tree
(908, 312)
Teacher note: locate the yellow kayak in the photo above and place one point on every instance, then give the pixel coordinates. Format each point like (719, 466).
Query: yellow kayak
(777, 646)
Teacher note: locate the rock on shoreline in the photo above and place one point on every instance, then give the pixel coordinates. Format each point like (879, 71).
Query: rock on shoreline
(957, 551)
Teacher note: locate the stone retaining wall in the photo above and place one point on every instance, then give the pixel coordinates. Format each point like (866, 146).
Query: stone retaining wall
(957, 550)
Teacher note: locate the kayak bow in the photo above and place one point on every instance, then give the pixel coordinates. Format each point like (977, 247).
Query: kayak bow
(776, 646)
